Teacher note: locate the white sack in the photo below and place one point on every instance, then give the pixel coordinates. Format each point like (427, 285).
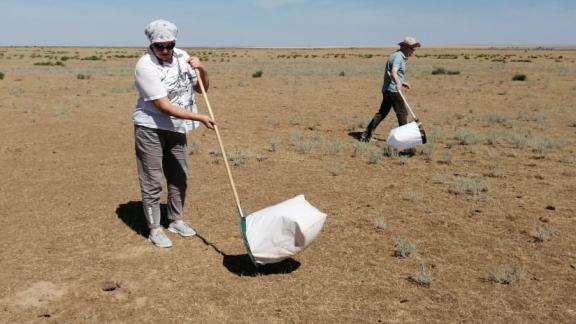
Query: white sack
(281, 231)
(405, 136)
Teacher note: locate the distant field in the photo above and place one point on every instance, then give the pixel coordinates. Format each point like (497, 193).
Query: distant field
(478, 226)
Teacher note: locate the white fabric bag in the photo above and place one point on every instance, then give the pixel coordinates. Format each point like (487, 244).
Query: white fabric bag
(405, 136)
(278, 232)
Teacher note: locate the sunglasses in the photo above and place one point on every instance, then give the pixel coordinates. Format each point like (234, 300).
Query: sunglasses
(161, 47)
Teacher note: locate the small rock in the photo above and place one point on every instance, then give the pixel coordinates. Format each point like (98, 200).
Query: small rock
(110, 285)
(573, 266)
(544, 219)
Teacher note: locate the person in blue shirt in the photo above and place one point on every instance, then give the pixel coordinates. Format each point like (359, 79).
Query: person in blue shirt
(394, 82)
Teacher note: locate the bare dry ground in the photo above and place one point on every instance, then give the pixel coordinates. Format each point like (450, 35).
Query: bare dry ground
(484, 215)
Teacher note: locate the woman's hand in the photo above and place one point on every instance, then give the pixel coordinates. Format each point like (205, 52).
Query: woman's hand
(207, 121)
(195, 63)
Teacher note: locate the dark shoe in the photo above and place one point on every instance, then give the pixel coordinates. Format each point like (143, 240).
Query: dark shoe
(365, 138)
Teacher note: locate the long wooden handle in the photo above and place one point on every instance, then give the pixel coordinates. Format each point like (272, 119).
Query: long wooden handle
(232, 184)
(407, 105)
(402, 96)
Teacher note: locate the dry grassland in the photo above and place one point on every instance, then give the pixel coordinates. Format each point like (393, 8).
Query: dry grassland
(478, 226)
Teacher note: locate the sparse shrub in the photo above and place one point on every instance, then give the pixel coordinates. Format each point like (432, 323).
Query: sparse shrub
(380, 223)
(403, 248)
(491, 139)
(273, 144)
(426, 150)
(446, 158)
(466, 137)
(48, 63)
(542, 232)
(466, 185)
(294, 138)
(334, 147)
(342, 74)
(542, 145)
(497, 119)
(336, 169)
(389, 151)
(494, 171)
(237, 156)
(193, 147)
(442, 71)
(83, 76)
(519, 77)
(257, 74)
(435, 135)
(91, 58)
(413, 196)
(423, 275)
(360, 148)
(506, 274)
(305, 146)
(374, 155)
(437, 71)
(517, 139)
(1, 75)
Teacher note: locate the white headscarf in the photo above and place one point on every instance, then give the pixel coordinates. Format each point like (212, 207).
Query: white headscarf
(160, 31)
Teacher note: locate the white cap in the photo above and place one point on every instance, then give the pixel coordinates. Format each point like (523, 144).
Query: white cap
(410, 41)
(160, 31)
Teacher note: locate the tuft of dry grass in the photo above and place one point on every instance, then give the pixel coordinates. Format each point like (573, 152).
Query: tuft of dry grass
(506, 274)
(542, 232)
(403, 248)
(468, 185)
(423, 275)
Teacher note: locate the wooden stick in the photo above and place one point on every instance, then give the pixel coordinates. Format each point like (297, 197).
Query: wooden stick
(232, 184)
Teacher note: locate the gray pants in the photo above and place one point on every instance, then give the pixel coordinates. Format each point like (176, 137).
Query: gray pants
(161, 153)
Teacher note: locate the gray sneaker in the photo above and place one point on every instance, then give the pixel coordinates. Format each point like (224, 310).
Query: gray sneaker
(181, 228)
(159, 239)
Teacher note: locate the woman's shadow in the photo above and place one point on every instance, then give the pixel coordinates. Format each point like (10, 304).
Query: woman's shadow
(132, 214)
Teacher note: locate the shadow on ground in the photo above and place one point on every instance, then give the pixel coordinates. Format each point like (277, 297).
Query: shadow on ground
(241, 265)
(132, 214)
(357, 135)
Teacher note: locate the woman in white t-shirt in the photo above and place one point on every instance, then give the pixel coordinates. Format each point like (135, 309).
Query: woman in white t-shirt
(166, 78)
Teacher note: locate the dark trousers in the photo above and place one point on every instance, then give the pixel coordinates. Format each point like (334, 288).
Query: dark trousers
(389, 100)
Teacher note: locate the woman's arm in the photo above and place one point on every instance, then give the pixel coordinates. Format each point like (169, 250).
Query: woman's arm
(164, 105)
(197, 65)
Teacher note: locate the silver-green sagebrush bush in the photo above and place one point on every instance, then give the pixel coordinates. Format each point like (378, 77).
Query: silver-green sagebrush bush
(403, 248)
(423, 275)
(506, 274)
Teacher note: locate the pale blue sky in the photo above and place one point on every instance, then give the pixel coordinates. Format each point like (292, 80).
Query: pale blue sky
(290, 22)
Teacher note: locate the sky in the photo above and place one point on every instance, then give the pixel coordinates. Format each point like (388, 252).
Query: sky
(289, 23)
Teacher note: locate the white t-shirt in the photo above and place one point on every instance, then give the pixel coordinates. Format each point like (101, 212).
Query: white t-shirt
(155, 79)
